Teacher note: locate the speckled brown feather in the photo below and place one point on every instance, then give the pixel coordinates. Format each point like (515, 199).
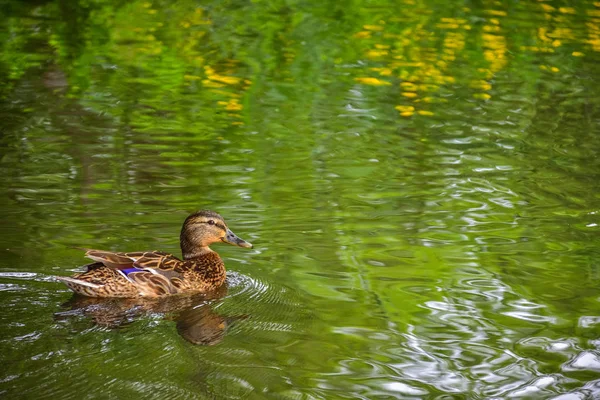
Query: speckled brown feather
(156, 273)
(169, 274)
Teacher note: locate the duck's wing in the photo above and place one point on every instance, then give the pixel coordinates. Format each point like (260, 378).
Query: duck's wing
(154, 273)
(114, 260)
(139, 259)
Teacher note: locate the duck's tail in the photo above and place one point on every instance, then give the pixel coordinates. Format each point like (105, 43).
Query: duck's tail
(82, 287)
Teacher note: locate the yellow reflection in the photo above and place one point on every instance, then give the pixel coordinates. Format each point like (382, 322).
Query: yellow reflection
(382, 71)
(231, 105)
(362, 35)
(482, 85)
(373, 27)
(372, 81)
(567, 10)
(376, 53)
(547, 7)
(405, 109)
(409, 86)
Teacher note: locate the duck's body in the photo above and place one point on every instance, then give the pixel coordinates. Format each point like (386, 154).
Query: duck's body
(156, 274)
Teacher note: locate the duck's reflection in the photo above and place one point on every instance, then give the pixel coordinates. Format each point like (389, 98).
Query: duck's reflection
(195, 319)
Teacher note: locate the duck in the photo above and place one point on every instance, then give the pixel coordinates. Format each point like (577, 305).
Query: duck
(155, 274)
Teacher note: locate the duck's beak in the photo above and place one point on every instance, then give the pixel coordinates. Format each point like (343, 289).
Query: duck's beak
(233, 239)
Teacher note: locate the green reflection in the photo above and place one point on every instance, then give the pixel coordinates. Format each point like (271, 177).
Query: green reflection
(419, 178)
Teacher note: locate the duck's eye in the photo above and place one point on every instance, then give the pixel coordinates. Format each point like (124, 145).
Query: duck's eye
(211, 222)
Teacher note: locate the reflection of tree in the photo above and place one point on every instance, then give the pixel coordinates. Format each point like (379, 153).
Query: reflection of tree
(156, 93)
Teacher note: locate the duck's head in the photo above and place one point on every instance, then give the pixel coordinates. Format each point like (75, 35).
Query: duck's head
(204, 228)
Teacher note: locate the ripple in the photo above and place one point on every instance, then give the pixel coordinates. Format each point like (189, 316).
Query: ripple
(531, 317)
(403, 388)
(18, 275)
(571, 396)
(535, 388)
(547, 344)
(588, 321)
(586, 360)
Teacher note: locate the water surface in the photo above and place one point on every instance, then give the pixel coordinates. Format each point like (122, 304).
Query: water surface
(420, 181)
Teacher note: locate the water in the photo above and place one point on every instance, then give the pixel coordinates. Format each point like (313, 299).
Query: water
(420, 181)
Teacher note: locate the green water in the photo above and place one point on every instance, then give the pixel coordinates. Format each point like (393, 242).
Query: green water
(420, 180)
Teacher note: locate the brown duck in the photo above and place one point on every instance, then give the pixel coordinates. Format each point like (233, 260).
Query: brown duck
(157, 274)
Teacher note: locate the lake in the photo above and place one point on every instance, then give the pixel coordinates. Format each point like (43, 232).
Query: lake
(420, 180)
